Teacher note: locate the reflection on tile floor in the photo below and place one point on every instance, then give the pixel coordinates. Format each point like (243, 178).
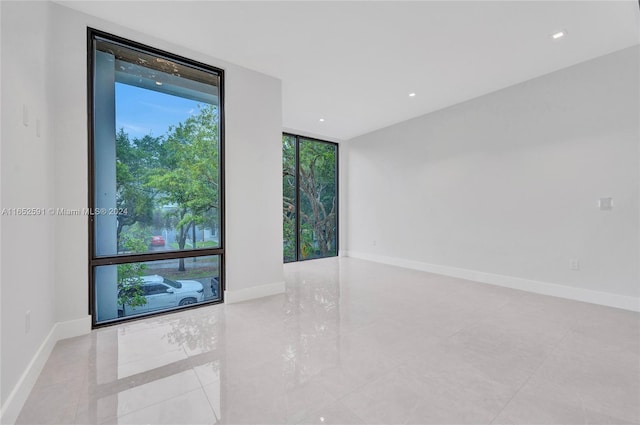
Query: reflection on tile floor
(354, 342)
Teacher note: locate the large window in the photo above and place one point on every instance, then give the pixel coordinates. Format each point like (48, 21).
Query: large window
(310, 198)
(156, 195)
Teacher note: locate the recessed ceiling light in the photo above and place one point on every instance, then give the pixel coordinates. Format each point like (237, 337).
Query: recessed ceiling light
(158, 83)
(321, 119)
(558, 35)
(412, 95)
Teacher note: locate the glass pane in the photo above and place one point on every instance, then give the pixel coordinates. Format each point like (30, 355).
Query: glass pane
(135, 289)
(318, 199)
(157, 153)
(289, 197)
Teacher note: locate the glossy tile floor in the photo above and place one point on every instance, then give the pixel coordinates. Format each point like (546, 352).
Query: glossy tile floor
(354, 342)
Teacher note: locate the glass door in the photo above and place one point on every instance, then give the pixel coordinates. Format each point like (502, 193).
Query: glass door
(310, 198)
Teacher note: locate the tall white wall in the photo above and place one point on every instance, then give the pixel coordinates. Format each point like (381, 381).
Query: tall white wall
(44, 266)
(27, 180)
(508, 184)
(254, 180)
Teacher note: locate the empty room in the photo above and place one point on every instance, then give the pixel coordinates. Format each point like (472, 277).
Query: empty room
(319, 212)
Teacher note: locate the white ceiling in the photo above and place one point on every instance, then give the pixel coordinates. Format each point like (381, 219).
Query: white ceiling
(354, 63)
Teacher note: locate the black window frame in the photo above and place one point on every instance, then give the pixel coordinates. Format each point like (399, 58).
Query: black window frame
(96, 261)
(297, 138)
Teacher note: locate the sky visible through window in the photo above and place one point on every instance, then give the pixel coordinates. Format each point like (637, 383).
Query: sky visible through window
(141, 112)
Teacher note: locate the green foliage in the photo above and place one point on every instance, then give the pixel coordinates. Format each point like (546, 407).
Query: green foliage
(179, 169)
(197, 332)
(318, 202)
(307, 240)
(130, 283)
(135, 159)
(187, 172)
(130, 275)
(318, 198)
(199, 244)
(289, 197)
(289, 237)
(187, 175)
(136, 238)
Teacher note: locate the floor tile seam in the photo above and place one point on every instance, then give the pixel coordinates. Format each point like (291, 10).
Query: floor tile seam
(66, 353)
(202, 385)
(598, 409)
(486, 378)
(209, 401)
(193, 368)
(510, 301)
(466, 324)
(618, 348)
(119, 385)
(335, 401)
(67, 347)
(567, 350)
(585, 410)
(533, 373)
(160, 401)
(78, 366)
(413, 410)
(75, 404)
(108, 420)
(39, 386)
(580, 404)
(139, 386)
(352, 411)
(289, 416)
(86, 382)
(163, 352)
(235, 386)
(74, 407)
(359, 386)
(164, 400)
(374, 380)
(470, 324)
(140, 325)
(74, 340)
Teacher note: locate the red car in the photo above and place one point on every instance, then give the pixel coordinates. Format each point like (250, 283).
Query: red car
(157, 241)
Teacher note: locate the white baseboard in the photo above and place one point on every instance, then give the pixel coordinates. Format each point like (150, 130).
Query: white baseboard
(253, 292)
(72, 328)
(61, 330)
(562, 291)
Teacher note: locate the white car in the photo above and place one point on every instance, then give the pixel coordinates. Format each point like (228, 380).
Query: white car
(162, 293)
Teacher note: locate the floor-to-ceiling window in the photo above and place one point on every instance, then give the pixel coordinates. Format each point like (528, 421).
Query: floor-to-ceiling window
(310, 198)
(156, 180)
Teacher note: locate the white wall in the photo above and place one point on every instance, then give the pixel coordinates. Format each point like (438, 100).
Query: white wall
(254, 180)
(508, 184)
(27, 243)
(45, 260)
